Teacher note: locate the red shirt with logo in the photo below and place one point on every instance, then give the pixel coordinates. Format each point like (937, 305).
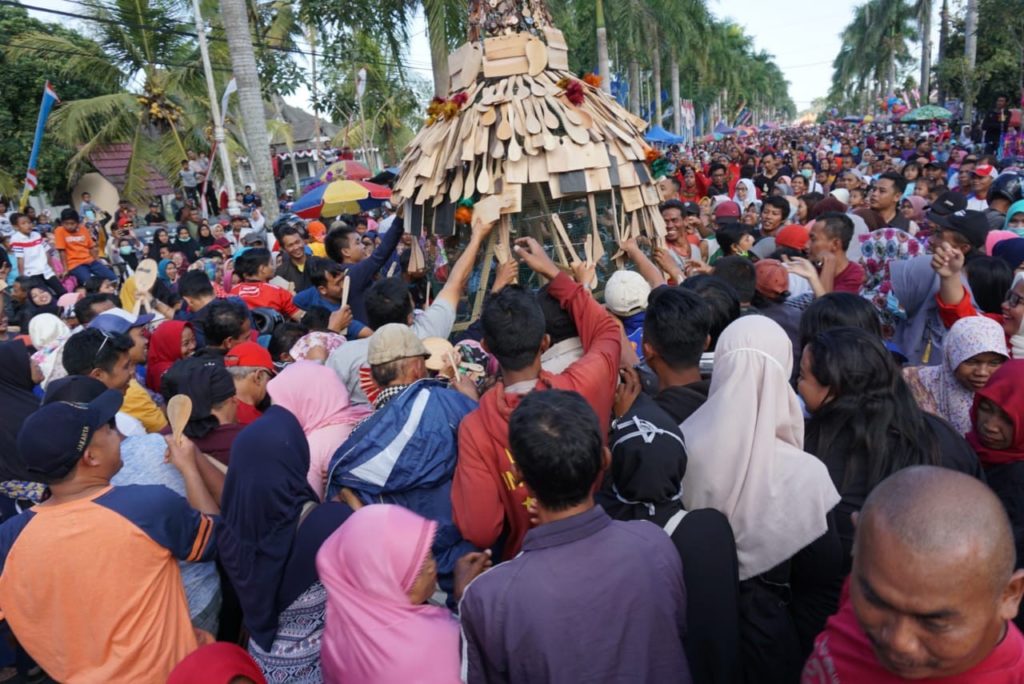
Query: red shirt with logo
(265, 295)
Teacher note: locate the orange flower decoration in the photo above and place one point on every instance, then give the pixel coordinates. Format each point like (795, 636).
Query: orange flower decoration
(592, 79)
(463, 215)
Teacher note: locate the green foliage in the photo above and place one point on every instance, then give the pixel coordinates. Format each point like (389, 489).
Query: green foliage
(999, 64)
(391, 104)
(21, 89)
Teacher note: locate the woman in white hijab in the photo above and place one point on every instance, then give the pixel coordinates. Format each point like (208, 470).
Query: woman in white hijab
(746, 459)
(745, 194)
(48, 334)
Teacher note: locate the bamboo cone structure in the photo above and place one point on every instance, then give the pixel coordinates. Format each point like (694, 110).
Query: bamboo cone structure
(510, 128)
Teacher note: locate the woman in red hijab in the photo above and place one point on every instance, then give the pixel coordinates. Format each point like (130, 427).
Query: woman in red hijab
(171, 342)
(217, 663)
(998, 439)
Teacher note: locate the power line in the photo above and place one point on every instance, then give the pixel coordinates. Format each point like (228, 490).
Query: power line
(192, 34)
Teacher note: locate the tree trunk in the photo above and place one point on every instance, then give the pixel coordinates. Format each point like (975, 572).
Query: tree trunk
(438, 50)
(250, 99)
(677, 112)
(926, 52)
(634, 86)
(656, 75)
(943, 39)
(279, 109)
(970, 51)
(602, 50)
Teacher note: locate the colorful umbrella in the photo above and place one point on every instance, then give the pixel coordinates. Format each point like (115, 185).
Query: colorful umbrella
(927, 113)
(346, 169)
(340, 197)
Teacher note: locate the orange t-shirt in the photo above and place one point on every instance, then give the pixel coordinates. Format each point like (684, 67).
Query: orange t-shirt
(91, 588)
(77, 245)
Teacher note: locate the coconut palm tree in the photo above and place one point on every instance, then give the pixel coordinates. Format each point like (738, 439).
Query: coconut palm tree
(150, 104)
(923, 10)
(250, 96)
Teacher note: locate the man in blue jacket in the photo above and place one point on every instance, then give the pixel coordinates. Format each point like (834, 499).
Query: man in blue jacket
(405, 452)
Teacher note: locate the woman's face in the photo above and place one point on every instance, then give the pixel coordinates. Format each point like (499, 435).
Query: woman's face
(107, 287)
(907, 209)
(204, 231)
(1013, 310)
(178, 259)
(741, 191)
(39, 296)
(750, 216)
(423, 586)
(172, 271)
(994, 427)
(161, 236)
(814, 394)
(188, 342)
(801, 211)
(975, 372)
(1016, 221)
(184, 235)
(911, 173)
(218, 231)
(799, 185)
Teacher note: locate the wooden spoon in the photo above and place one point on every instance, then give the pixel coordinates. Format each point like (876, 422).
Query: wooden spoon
(179, 410)
(505, 127)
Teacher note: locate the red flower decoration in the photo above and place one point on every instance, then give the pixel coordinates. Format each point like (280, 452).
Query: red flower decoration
(460, 98)
(574, 92)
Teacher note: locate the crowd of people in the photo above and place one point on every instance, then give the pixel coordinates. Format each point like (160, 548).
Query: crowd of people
(783, 443)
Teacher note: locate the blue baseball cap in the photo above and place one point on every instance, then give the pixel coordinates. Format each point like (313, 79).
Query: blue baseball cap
(53, 439)
(118, 321)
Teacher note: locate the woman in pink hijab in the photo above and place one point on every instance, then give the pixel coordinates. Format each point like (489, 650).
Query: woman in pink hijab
(378, 571)
(318, 398)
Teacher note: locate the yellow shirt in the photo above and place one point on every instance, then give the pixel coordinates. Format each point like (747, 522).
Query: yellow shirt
(138, 404)
(318, 249)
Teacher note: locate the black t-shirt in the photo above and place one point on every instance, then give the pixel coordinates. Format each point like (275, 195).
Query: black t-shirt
(765, 183)
(154, 217)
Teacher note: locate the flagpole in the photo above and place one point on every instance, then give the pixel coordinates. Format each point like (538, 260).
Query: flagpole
(49, 99)
(218, 119)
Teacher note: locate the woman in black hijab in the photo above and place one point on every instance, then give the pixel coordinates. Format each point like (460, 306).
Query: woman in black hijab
(18, 375)
(160, 239)
(186, 244)
(648, 464)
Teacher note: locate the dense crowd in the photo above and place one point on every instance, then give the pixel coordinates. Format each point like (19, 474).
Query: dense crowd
(783, 442)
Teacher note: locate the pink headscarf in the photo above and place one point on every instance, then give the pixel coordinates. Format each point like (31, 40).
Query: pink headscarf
(919, 204)
(317, 397)
(994, 237)
(373, 633)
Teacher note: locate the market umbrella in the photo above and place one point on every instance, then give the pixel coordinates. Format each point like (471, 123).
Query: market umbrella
(927, 113)
(345, 169)
(340, 197)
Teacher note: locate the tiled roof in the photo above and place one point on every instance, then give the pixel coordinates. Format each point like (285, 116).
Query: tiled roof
(112, 162)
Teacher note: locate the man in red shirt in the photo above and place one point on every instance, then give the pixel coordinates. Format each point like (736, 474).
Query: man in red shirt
(251, 367)
(932, 591)
(489, 503)
(254, 268)
(830, 238)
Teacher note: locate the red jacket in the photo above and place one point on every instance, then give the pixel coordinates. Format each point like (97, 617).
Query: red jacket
(487, 499)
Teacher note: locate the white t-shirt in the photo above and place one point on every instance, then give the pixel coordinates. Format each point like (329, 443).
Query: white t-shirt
(32, 249)
(437, 321)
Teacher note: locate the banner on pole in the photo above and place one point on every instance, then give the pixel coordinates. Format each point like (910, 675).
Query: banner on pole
(31, 178)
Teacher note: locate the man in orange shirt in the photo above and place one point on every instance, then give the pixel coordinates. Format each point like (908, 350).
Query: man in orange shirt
(78, 251)
(90, 583)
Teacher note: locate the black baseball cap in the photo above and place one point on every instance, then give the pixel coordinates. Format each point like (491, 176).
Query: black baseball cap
(947, 204)
(972, 225)
(53, 439)
(690, 209)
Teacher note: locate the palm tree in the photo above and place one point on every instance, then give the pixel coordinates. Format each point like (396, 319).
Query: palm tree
(152, 102)
(250, 97)
(970, 49)
(923, 9)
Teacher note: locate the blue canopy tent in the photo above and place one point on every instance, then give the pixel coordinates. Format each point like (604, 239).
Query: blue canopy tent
(660, 136)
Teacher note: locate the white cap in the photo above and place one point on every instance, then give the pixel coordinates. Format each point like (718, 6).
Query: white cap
(841, 194)
(626, 293)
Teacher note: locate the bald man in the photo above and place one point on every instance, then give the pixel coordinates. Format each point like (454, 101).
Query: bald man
(932, 591)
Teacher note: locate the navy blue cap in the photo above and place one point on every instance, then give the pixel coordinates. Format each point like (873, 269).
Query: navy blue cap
(53, 439)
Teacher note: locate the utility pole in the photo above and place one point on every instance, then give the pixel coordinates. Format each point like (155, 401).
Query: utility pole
(602, 50)
(971, 53)
(218, 119)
